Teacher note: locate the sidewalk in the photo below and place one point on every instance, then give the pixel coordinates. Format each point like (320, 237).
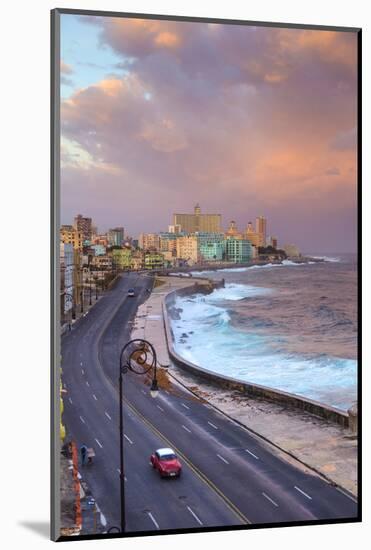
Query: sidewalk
(318, 444)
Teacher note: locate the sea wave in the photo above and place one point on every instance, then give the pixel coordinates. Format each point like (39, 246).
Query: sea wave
(206, 336)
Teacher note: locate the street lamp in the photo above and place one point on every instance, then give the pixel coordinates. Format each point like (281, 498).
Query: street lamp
(139, 357)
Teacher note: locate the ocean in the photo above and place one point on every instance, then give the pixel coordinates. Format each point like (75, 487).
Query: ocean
(292, 327)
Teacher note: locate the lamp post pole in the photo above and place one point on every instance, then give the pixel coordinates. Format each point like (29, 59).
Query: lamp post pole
(139, 357)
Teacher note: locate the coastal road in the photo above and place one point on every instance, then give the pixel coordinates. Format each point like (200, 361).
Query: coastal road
(230, 477)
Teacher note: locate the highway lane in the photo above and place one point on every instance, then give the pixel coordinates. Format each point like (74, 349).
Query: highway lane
(91, 417)
(249, 472)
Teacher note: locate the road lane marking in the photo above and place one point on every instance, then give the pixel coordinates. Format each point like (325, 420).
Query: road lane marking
(153, 519)
(119, 471)
(252, 454)
(107, 415)
(87, 383)
(70, 400)
(194, 468)
(144, 392)
(302, 492)
(99, 443)
(95, 397)
(128, 438)
(222, 458)
(270, 500)
(213, 425)
(82, 420)
(167, 392)
(185, 406)
(81, 364)
(82, 371)
(194, 515)
(186, 429)
(161, 409)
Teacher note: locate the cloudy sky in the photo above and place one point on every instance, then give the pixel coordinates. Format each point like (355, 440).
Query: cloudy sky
(247, 121)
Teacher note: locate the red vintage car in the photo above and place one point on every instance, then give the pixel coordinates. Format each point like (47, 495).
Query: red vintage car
(166, 462)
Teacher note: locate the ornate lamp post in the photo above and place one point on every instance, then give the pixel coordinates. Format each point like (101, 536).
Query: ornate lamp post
(139, 357)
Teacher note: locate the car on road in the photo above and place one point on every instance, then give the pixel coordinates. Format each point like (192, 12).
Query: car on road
(166, 462)
(131, 292)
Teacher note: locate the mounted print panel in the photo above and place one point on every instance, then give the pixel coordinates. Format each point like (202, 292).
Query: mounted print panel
(205, 369)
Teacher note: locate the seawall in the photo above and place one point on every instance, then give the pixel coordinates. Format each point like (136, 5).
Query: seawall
(286, 399)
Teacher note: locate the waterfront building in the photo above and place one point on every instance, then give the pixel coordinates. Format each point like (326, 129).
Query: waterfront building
(292, 250)
(149, 241)
(69, 235)
(84, 226)
(238, 250)
(192, 223)
(121, 258)
(232, 231)
(102, 262)
(211, 246)
(251, 235)
(187, 249)
(115, 236)
(137, 260)
(167, 242)
(154, 260)
(261, 230)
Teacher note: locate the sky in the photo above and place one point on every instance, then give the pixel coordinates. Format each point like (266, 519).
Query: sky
(157, 116)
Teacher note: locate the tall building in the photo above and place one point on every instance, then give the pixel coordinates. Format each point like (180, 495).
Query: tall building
(116, 236)
(192, 223)
(232, 230)
(84, 226)
(261, 229)
(238, 250)
(251, 235)
(211, 247)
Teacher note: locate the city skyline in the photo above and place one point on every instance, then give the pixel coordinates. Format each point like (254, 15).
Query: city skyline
(176, 114)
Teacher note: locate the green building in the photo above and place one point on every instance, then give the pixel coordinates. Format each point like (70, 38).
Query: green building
(154, 260)
(238, 250)
(122, 258)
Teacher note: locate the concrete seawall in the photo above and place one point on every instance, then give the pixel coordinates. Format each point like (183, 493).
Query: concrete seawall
(322, 410)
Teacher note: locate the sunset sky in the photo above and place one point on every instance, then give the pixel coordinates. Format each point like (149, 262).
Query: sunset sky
(157, 116)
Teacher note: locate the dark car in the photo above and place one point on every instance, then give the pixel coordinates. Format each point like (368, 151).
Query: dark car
(166, 462)
(131, 292)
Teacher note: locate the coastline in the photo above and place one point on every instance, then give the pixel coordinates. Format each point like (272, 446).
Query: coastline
(316, 443)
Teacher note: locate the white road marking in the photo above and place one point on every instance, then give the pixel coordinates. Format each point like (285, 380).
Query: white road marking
(213, 425)
(99, 443)
(128, 438)
(302, 492)
(107, 415)
(252, 454)
(186, 429)
(222, 458)
(270, 500)
(82, 371)
(194, 515)
(95, 397)
(153, 519)
(81, 364)
(82, 420)
(87, 383)
(144, 392)
(70, 400)
(167, 392)
(161, 409)
(185, 406)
